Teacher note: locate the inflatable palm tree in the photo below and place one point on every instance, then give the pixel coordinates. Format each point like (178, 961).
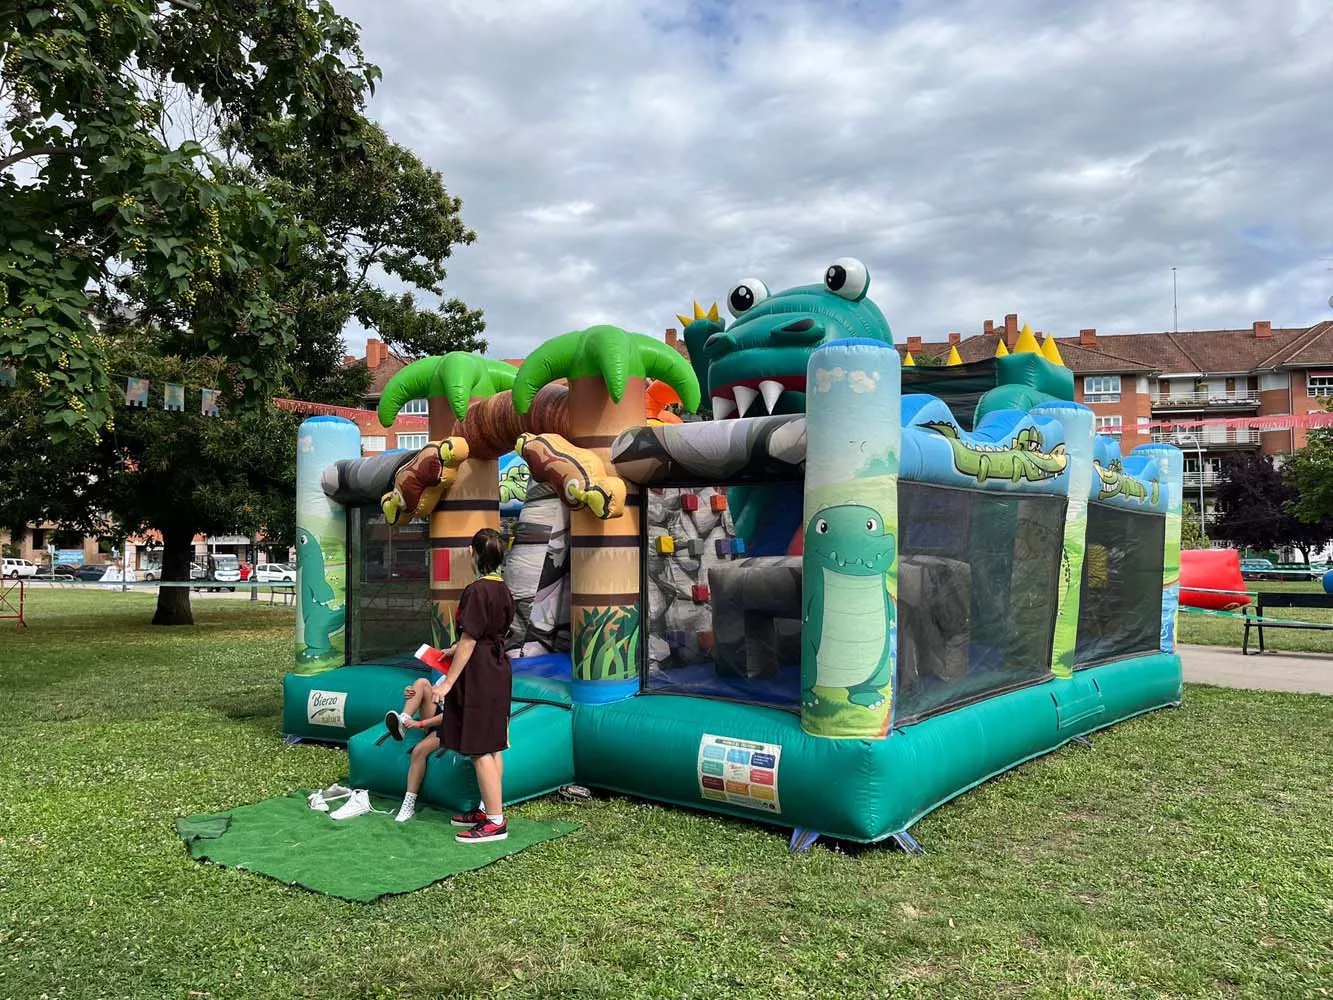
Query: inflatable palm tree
(607, 370)
(451, 384)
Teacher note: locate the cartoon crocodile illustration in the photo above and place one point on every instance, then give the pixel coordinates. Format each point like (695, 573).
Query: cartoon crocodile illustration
(850, 624)
(1116, 482)
(514, 483)
(756, 366)
(1021, 458)
(319, 620)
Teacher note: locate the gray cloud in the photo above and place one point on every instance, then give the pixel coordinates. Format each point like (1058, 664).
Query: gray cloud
(619, 160)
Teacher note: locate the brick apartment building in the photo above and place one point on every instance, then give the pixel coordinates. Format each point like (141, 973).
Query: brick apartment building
(1135, 380)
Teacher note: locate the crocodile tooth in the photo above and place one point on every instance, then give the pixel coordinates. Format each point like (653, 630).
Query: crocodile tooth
(745, 397)
(770, 390)
(722, 407)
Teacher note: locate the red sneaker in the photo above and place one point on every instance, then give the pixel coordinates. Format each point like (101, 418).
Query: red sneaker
(469, 819)
(484, 832)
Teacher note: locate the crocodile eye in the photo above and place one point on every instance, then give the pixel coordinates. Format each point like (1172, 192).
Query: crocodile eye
(848, 278)
(821, 526)
(305, 539)
(872, 525)
(745, 296)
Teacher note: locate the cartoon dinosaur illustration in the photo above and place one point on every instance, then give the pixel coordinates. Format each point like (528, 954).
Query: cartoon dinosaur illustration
(1021, 458)
(319, 620)
(850, 625)
(1115, 482)
(756, 366)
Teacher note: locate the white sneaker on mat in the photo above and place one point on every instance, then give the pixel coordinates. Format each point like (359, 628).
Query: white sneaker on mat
(358, 804)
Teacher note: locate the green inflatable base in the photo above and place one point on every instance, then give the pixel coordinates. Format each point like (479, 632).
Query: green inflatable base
(758, 764)
(335, 705)
(540, 759)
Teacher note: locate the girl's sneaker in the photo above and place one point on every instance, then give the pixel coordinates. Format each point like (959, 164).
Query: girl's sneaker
(484, 832)
(393, 721)
(469, 819)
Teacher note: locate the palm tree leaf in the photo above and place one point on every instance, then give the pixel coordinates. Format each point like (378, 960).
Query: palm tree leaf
(666, 364)
(458, 378)
(413, 382)
(501, 375)
(553, 360)
(612, 352)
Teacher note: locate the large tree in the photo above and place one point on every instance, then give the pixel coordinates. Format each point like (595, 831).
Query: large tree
(94, 193)
(335, 212)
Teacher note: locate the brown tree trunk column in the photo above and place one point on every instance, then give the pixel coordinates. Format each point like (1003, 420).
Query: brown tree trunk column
(173, 603)
(472, 503)
(605, 609)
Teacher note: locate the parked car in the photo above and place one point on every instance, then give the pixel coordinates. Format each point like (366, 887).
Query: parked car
(275, 573)
(90, 572)
(222, 568)
(54, 573)
(15, 568)
(1259, 569)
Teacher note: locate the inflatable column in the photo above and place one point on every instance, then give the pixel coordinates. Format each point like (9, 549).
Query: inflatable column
(849, 644)
(1077, 421)
(472, 503)
(604, 568)
(1171, 467)
(321, 545)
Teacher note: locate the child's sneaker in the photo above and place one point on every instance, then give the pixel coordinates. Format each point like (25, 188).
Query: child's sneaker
(484, 832)
(393, 721)
(469, 819)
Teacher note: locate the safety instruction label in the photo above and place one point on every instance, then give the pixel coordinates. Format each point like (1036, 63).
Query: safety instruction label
(739, 772)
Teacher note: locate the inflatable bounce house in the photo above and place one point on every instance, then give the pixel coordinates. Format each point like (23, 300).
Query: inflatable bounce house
(855, 591)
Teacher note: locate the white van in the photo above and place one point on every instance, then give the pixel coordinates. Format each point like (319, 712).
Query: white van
(15, 568)
(224, 568)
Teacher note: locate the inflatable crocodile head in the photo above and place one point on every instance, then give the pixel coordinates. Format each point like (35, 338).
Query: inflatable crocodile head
(756, 366)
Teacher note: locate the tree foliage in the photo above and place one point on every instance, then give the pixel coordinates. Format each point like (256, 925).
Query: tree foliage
(1191, 534)
(94, 192)
(1258, 505)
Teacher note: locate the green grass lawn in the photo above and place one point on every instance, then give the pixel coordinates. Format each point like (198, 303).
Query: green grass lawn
(1190, 854)
(1205, 630)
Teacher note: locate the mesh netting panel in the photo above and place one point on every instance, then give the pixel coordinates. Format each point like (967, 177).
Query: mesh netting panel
(977, 582)
(723, 625)
(1120, 607)
(388, 586)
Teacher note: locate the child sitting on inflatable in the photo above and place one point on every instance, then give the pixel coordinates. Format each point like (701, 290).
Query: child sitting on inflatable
(471, 698)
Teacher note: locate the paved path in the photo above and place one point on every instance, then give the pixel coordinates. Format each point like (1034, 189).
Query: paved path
(1310, 673)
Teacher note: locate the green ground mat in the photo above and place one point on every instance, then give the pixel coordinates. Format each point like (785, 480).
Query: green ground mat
(358, 859)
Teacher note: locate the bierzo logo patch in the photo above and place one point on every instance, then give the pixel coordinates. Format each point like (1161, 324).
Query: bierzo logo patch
(326, 708)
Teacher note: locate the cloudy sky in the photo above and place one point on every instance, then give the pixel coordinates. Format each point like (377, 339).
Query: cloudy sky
(1053, 158)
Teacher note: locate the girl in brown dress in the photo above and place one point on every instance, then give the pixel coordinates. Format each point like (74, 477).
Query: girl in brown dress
(471, 701)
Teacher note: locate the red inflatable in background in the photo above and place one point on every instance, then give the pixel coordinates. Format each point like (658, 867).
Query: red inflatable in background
(1211, 569)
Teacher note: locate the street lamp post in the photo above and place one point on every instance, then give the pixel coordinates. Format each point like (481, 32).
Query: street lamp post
(1198, 450)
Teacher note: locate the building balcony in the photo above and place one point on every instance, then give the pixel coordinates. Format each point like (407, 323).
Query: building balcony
(1210, 437)
(1193, 480)
(1239, 400)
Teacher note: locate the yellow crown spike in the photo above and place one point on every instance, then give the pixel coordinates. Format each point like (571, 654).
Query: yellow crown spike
(684, 320)
(699, 312)
(1051, 351)
(954, 357)
(1027, 343)
(712, 313)
(908, 360)
(1001, 351)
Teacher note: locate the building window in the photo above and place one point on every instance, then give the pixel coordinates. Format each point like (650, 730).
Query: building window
(414, 408)
(1109, 425)
(371, 443)
(1319, 385)
(1101, 389)
(413, 441)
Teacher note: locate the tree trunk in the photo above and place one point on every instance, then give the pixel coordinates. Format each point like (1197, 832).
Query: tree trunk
(605, 607)
(173, 603)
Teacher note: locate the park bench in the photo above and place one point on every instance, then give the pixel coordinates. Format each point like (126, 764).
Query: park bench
(1266, 600)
